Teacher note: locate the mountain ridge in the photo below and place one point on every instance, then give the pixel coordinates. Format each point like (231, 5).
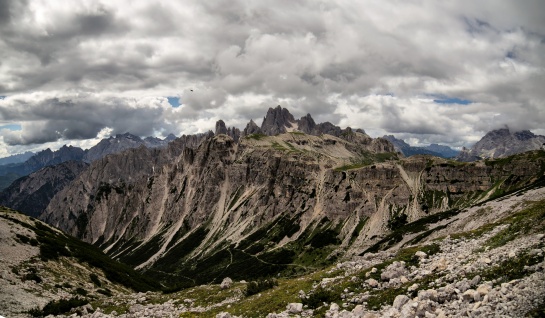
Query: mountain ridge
(433, 149)
(47, 157)
(291, 184)
(501, 143)
(18, 158)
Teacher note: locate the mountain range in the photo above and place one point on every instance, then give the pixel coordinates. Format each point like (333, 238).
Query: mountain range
(18, 158)
(289, 199)
(432, 150)
(16, 167)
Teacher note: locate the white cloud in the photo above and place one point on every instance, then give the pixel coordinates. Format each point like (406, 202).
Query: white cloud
(70, 71)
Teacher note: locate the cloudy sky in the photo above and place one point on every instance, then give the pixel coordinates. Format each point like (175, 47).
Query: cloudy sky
(426, 71)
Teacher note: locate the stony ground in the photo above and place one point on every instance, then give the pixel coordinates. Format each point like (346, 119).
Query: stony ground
(16, 295)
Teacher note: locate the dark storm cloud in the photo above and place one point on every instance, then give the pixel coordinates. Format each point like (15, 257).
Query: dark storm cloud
(51, 119)
(10, 10)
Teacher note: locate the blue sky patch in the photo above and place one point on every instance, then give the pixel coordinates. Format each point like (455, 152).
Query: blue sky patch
(2, 97)
(452, 100)
(174, 101)
(12, 127)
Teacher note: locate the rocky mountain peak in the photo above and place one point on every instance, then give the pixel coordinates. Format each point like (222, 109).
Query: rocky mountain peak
(276, 121)
(251, 128)
(502, 143)
(220, 127)
(128, 136)
(18, 158)
(306, 124)
(170, 137)
(232, 132)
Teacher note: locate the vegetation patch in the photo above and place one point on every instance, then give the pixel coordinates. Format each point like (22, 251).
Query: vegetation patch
(529, 219)
(143, 252)
(397, 221)
(358, 229)
(324, 238)
(297, 133)
(320, 297)
(255, 287)
(94, 278)
(174, 258)
(256, 136)
(420, 225)
(508, 270)
(59, 307)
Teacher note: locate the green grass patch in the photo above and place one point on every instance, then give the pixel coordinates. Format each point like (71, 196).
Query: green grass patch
(256, 136)
(321, 296)
(258, 286)
(358, 229)
(278, 146)
(531, 219)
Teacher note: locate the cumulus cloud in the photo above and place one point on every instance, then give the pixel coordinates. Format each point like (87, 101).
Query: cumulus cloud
(45, 119)
(71, 71)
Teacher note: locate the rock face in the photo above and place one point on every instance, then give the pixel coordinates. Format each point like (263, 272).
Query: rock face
(49, 158)
(220, 127)
(502, 143)
(31, 194)
(161, 209)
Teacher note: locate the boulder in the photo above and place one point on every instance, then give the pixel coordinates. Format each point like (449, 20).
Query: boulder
(421, 254)
(372, 282)
(226, 283)
(399, 301)
(294, 308)
(440, 265)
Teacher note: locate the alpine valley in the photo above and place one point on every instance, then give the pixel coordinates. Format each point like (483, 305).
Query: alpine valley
(287, 219)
